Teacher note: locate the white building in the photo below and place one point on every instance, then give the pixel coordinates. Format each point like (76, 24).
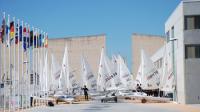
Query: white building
(183, 31)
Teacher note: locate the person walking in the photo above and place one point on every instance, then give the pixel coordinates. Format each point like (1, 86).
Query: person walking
(85, 89)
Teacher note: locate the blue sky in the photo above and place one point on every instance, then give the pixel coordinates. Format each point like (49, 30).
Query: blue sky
(118, 19)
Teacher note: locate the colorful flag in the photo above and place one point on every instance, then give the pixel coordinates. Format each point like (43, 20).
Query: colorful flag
(39, 41)
(8, 33)
(3, 28)
(31, 38)
(35, 39)
(27, 37)
(16, 34)
(20, 33)
(24, 39)
(12, 30)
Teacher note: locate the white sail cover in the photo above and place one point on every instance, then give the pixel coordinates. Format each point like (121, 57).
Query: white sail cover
(88, 77)
(125, 75)
(167, 79)
(105, 79)
(150, 77)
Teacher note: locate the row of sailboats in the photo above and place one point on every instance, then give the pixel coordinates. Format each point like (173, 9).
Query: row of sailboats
(149, 77)
(113, 75)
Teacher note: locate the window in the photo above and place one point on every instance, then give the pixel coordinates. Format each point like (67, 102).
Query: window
(31, 79)
(192, 22)
(192, 51)
(167, 36)
(172, 36)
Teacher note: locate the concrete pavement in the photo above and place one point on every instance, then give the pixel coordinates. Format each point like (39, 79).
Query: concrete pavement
(95, 106)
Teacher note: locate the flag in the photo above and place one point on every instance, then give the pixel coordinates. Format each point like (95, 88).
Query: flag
(31, 38)
(20, 33)
(35, 39)
(12, 31)
(39, 41)
(43, 40)
(24, 38)
(46, 41)
(3, 29)
(16, 34)
(27, 37)
(8, 33)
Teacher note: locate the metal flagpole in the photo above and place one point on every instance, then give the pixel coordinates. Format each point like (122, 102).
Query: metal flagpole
(33, 68)
(46, 53)
(36, 67)
(37, 73)
(26, 68)
(9, 64)
(4, 62)
(29, 73)
(22, 78)
(18, 43)
(14, 65)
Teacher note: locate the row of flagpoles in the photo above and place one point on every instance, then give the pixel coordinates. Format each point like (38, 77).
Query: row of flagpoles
(21, 48)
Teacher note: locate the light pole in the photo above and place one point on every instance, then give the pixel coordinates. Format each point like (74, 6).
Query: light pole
(174, 69)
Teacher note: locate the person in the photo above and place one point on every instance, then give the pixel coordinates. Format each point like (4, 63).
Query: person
(85, 89)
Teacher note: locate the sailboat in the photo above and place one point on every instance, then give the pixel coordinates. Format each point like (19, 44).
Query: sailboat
(63, 93)
(88, 77)
(150, 77)
(167, 79)
(125, 75)
(55, 74)
(105, 80)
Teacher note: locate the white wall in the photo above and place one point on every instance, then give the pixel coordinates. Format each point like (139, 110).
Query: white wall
(192, 71)
(177, 20)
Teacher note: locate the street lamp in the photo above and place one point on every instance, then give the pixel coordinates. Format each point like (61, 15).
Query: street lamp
(174, 69)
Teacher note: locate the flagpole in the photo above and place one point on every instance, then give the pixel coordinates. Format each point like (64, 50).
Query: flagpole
(22, 87)
(0, 76)
(4, 62)
(18, 78)
(9, 72)
(14, 82)
(30, 62)
(35, 55)
(38, 76)
(33, 65)
(26, 69)
(44, 36)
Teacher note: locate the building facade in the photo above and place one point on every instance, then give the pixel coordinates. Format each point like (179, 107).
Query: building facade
(183, 29)
(149, 43)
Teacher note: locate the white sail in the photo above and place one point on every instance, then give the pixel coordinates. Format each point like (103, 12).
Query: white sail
(55, 73)
(64, 78)
(139, 75)
(125, 75)
(150, 76)
(115, 69)
(73, 82)
(105, 77)
(88, 77)
(43, 73)
(167, 79)
(56, 68)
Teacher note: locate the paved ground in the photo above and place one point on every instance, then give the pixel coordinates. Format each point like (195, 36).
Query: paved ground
(104, 107)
